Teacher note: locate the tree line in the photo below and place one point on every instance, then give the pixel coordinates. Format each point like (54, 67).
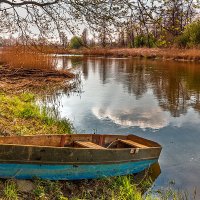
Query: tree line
(118, 23)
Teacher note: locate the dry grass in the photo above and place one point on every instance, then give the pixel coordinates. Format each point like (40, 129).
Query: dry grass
(47, 48)
(156, 53)
(24, 57)
(26, 67)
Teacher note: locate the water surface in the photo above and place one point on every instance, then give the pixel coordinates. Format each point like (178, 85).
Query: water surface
(158, 100)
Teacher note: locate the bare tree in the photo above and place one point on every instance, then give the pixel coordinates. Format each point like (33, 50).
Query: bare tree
(44, 17)
(121, 37)
(85, 37)
(63, 39)
(52, 18)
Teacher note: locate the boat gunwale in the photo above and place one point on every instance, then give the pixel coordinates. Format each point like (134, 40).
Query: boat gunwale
(75, 163)
(153, 143)
(80, 148)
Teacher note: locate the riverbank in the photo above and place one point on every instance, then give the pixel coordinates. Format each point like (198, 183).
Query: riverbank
(151, 53)
(115, 188)
(21, 115)
(26, 69)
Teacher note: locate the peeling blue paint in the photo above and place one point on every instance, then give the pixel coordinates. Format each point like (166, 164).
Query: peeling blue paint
(71, 172)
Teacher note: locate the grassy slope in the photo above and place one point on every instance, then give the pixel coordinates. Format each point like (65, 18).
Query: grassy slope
(20, 115)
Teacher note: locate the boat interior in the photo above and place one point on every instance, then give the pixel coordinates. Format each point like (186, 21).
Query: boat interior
(92, 141)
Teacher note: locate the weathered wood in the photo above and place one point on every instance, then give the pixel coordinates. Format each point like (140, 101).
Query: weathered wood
(88, 145)
(134, 144)
(62, 140)
(37, 140)
(46, 149)
(57, 141)
(105, 140)
(72, 155)
(143, 141)
(45, 140)
(101, 140)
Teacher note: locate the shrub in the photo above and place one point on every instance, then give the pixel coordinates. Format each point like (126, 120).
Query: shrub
(190, 36)
(182, 40)
(76, 42)
(142, 41)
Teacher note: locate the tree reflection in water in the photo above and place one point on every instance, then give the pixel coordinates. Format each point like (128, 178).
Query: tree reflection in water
(176, 85)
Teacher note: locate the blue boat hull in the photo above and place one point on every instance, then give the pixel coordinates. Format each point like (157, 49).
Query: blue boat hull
(72, 172)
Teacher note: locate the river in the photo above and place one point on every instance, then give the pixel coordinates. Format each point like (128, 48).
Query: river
(158, 100)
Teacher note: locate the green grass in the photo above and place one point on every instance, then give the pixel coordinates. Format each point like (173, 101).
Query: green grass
(48, 190)
(10, 190)
(117, 188)
(126, 190)
(20, 115)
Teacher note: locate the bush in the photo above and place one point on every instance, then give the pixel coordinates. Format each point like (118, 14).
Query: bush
(76, 42)
(142, 41)
(190, 36)
(182, 40)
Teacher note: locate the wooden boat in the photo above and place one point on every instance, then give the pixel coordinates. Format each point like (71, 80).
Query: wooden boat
(73, 157)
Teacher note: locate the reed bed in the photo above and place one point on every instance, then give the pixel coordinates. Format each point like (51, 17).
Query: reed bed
(155, 53)
(24, 57)
(27, 67)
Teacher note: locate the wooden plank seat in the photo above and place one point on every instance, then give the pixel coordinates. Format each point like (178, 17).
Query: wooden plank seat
(134, 144)
(87, 144)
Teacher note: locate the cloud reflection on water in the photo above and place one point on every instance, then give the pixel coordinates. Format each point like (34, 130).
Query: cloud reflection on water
(138, 117)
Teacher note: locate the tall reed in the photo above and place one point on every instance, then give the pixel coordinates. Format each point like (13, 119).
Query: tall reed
(27, 58)
(161, 53)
